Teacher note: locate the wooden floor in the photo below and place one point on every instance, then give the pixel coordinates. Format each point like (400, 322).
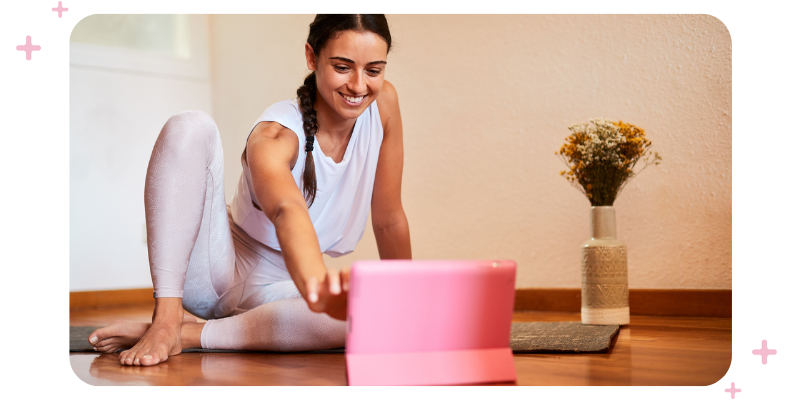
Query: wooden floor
(651, 351)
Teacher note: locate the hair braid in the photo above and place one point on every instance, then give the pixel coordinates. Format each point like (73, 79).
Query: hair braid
(307, 94)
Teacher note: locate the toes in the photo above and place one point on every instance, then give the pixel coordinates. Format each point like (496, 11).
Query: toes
(104, 333)
(137, 359)
(156, 355)
(149, 359)
(133, 356)
(125, 358)
(106, 349)
(96, 336)
(103, 343)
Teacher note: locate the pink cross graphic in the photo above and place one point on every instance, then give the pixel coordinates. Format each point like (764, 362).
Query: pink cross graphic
(764, 352)
(28, 47)
(733, 390)
(60, 9)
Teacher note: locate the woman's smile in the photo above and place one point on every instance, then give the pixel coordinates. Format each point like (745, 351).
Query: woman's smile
(352, 100)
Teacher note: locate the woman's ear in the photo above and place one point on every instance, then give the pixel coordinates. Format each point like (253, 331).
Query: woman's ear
(311, 59)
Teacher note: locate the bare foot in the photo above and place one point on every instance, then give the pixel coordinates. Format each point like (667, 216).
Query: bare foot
(149, 344)
(119, 334)
(161, 340)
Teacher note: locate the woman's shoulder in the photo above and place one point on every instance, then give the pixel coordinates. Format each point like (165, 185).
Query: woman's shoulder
(284, 108)
(388, 105)
(275, 139)
(286, 113)
(388, 96)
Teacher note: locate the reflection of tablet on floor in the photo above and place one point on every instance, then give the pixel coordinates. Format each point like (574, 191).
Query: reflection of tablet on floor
(441, 322)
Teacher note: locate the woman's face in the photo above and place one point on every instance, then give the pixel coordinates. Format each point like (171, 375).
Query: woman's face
(350, 70)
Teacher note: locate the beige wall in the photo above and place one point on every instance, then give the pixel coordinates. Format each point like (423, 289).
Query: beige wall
(122, 89)
(486, 101)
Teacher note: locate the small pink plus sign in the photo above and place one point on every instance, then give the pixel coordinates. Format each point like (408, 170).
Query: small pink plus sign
(28, 47)
(764, 352)
(733, 390)
(60, 9)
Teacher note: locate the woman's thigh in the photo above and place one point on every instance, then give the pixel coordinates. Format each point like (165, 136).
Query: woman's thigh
(262, 271)
(212, 288)
(224, 281)
(255, 295)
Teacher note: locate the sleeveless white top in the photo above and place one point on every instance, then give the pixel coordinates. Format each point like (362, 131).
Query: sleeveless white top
(344, 190)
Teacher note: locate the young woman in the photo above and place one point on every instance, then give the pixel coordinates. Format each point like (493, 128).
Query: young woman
(312, 168)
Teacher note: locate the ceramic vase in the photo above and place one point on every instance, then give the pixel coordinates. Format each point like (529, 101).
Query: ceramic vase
(604, 272)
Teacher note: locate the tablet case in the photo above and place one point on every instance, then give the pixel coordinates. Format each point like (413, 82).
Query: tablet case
(440, 322)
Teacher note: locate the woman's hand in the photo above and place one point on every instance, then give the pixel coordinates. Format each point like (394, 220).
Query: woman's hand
(330, 295)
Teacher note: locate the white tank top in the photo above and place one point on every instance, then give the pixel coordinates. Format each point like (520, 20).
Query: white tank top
(344, 190)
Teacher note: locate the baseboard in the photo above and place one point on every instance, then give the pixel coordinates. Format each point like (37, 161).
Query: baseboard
(663, 302)
(110, 298)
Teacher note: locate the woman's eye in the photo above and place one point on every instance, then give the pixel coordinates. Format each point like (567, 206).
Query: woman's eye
(340, 68)
(374, 71)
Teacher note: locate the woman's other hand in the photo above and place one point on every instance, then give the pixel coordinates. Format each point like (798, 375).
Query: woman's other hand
(330, 295)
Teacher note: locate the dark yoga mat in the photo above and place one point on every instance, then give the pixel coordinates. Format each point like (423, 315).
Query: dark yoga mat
(526, 337)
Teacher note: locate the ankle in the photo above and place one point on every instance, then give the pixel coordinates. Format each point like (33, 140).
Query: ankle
(165, 325)
(168, 310)
(190, 335)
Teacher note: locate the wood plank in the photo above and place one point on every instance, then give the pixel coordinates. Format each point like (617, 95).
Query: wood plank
(101, 299)
(666, 302)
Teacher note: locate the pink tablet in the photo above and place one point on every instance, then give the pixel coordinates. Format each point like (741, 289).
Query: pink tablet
(412, 322)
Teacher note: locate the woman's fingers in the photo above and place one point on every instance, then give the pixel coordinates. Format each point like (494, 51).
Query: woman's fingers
(333, 282)
(345, 278)
(318, 293)
(327, 295)
(312, 287)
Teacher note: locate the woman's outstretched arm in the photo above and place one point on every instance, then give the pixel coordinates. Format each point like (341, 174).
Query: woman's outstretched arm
(271, 152)
(389, 221)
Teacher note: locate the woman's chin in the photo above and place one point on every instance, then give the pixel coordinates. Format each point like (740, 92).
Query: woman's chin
(350, 112)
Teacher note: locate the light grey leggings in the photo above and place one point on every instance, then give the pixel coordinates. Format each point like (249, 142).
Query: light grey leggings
(240, 285)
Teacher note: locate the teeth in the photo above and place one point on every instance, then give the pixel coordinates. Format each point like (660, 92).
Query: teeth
(352, 99)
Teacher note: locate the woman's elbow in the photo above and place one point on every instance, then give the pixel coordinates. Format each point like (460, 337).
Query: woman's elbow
(390, 222)
(281, 210)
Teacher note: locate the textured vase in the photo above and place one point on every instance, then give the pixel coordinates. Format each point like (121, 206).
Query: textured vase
(604, 273)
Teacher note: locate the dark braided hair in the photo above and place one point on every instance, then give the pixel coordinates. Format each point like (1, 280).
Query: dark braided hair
(324, 28)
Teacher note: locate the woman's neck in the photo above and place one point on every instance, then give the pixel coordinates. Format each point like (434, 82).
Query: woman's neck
(330, 123)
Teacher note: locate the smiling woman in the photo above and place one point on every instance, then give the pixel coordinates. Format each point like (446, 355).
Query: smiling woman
(344, 85)
(256, 271)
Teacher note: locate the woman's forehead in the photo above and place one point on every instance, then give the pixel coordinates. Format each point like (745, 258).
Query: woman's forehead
(357, 46)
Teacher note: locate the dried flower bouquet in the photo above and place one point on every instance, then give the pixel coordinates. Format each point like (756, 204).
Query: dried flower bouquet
(602, 156)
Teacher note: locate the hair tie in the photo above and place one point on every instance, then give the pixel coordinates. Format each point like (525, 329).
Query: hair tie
(309, 143)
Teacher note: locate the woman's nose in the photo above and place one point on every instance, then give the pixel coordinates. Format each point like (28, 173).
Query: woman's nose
(357, 84)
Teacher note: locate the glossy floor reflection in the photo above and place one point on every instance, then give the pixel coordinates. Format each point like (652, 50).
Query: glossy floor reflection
(651, 351)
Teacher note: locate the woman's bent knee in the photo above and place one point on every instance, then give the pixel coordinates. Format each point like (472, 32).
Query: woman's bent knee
(189, 125)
